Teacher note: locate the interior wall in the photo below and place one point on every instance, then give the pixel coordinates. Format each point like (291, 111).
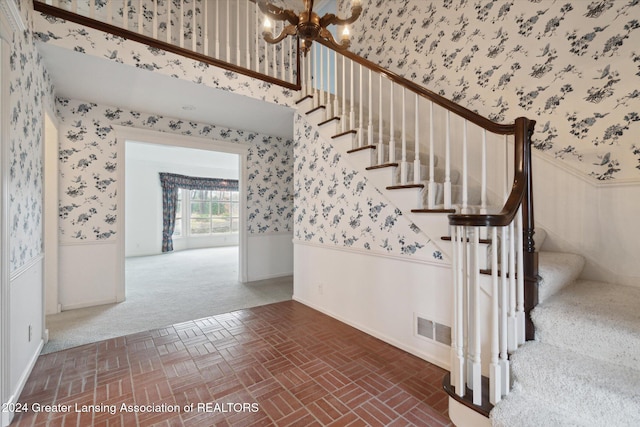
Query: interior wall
(26, 93)
(143, 196)
(573, 67)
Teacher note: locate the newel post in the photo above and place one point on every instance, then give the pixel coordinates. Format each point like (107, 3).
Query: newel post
(531, 278)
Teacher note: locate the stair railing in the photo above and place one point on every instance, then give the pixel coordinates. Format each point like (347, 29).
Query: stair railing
(485, 164)
(223, 33)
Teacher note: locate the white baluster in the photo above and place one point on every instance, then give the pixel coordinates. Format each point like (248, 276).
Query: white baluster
(140, 16)
(504, 307)
(217, 25)
(228, 35)
(513, 329)
(238, 54)
(266, 56)
(360, 109)
(403, 163)
(380, 128)
(465, 169)
(336, 102)
(317, 76)
(447, 165)
(257, 40)
(495, 390)
(309, 75)
(475, 281)
(431, 201)
(74, 6)
(169, 26)
(457, 351)
(352, 99)
(416, 159)
(392, 126)
(205, 25)
(520, 314)
(370, 126)
(330, 112)
(194, 23)
(248, 35)
(343, 118)
(110, 12)
(322, 77)
(483, 195)
(92, 9)
(181, 26)
(125, 12)
(155, 19)
(275, 54)
(283, 75)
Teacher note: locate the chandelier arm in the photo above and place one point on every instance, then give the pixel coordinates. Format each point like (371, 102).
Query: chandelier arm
(331, 19)
(278, 14)
(326, 34)
(289, 30)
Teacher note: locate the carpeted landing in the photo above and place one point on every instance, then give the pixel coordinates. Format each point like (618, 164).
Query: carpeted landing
(584, 367)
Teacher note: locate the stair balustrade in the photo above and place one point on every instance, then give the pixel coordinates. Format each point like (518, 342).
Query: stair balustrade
(463, 164)
(484, 182)
(224, 33)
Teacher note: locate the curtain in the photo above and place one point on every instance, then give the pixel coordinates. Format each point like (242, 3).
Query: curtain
(170, 183)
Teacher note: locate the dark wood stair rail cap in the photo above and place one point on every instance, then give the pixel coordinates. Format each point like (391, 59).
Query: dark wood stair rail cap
(522, 189)
(149, 41)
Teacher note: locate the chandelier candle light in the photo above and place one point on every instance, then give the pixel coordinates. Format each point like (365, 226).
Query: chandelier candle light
(307, 25)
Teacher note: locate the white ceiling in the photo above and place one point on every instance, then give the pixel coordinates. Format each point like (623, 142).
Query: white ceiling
(88, 78)
(180, 155)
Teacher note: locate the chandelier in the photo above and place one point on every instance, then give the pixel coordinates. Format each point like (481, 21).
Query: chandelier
(307, 25)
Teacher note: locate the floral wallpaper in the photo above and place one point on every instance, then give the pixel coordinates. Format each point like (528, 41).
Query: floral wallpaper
(336, 206)
(572, 65)
(30, 90)
(89, 169)
(113, 48)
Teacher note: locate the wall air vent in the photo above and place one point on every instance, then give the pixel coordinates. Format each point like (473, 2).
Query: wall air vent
(434, 331)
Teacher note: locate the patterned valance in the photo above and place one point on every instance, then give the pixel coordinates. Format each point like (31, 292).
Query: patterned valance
(172, 180)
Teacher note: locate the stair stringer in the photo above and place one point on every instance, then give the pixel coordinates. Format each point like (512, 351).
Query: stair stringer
(432, 227)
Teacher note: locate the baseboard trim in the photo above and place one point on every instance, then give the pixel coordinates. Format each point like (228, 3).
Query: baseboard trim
(444, 364)
(89, 304)
(7, 417)
(269, 276)
(373, 254)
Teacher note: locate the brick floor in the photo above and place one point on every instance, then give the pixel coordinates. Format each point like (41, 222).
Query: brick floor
(283, 364)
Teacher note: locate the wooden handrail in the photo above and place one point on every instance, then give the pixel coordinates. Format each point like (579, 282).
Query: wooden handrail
(483, 122)
(522, 161)
(131, 35)
(521, 191)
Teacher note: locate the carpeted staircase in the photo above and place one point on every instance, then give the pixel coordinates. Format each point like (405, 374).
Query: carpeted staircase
(584, 367)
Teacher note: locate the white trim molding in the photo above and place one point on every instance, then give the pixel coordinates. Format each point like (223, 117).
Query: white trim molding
(10, 18)
(374, 254)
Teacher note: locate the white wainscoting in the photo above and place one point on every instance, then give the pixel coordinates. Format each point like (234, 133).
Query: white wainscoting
(380, 295)
(90, 274)
(25, 323)
(269, 255)
(594, 219)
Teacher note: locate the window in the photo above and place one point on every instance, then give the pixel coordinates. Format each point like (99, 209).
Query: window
(206, 212)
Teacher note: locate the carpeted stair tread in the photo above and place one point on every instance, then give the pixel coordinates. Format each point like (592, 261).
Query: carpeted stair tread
(520, 409)
(598, 319)
(557, 270)
(602, 393)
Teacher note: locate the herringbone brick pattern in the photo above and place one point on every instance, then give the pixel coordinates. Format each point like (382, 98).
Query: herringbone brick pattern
(282, 364)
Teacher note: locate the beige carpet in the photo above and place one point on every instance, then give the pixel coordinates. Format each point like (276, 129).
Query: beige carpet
(162, 290)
